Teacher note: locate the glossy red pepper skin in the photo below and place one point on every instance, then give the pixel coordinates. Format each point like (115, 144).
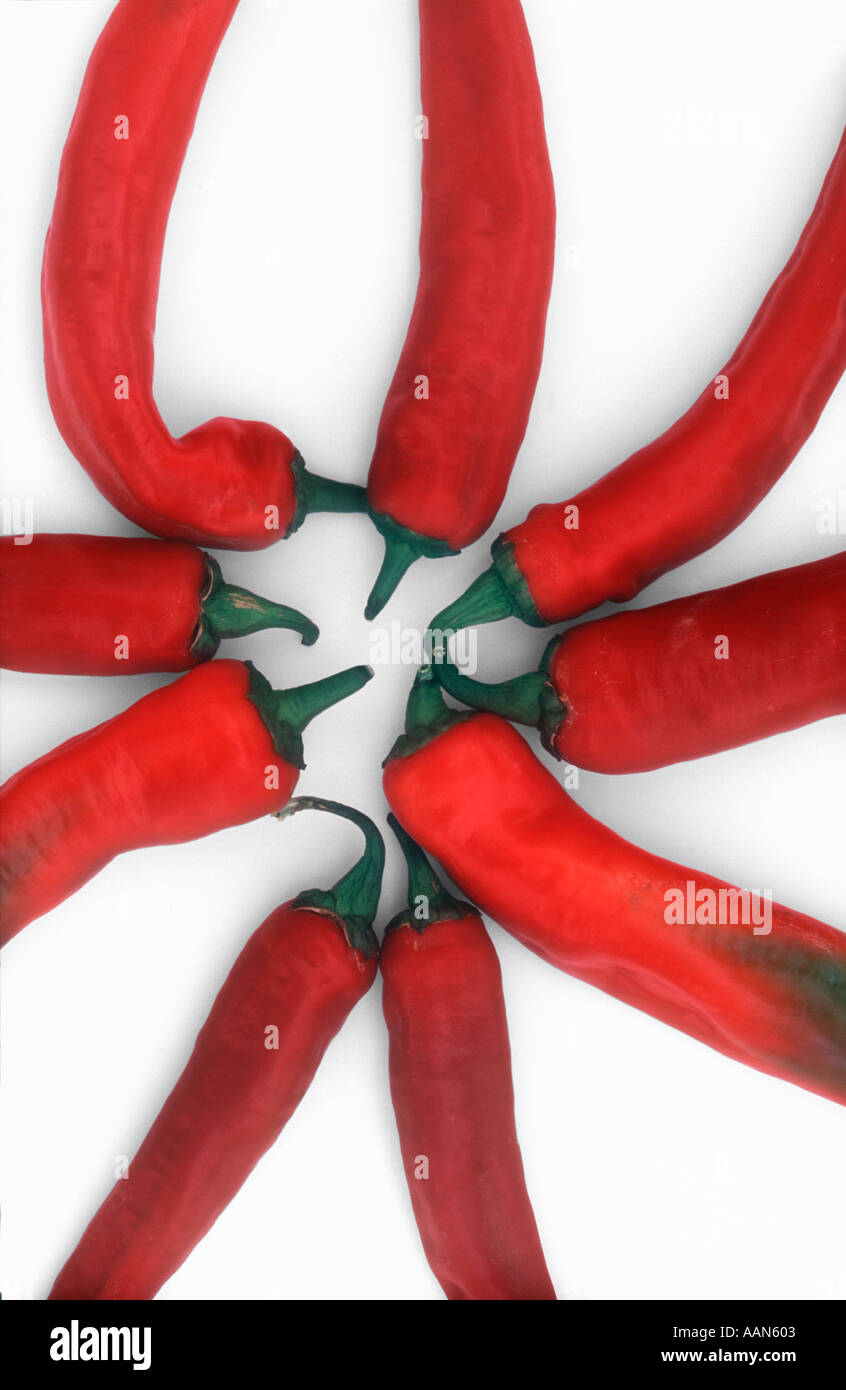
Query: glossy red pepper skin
(441, 464)
(479, 801)
(658, 685)
(104, 606)
(692, 486)
(182, 762)
(685, 679)
(300, 973)
(228, 483)
(450, 1070)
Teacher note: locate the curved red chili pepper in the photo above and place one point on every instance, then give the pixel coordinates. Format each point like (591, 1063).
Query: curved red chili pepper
(688, 489)
(214, 749)
(684, 679)
(458, 406)
(450, 1066)
(102, 606)
(472, 793)
(285, 998)
(229, 483)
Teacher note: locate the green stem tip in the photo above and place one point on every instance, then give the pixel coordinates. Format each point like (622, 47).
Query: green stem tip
(428, 900)
(355, 897)
(426, 706)
(518, 699)
(486, 601)
(427, 714)
(286, 713)
(316, 494)
(402, 547)
(530, 699)
(499, 592)
(226, 610)
(399, 557)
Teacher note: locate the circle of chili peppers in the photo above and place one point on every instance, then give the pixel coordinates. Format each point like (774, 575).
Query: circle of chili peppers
(458, 781)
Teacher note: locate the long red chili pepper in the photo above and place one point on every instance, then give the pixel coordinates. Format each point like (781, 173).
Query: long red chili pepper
(282, 1003)
(642, 689)
(664, 938)
(688, 489)
(450, 1067)
(228, 483)
(458, 406)
(214, 749)
(100, 606)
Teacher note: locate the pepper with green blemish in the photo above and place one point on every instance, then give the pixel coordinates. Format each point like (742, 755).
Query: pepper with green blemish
(757, 981)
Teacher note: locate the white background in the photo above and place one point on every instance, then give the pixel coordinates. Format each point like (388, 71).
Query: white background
(688, 141)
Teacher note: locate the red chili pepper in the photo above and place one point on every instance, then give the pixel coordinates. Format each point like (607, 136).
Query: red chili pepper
(653, 686)
(696, 483)
(229, 483)
(458, 406)
(99, 606)
(216, 748)
(450, 1065)
(472, 793)
(282, 1003)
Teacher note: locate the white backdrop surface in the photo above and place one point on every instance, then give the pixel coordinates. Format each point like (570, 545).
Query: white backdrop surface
(688, 143)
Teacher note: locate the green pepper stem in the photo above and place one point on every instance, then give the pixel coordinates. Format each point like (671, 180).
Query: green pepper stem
(424, 887)
(426, 705)
(426, 715)
(355, 897)
(399, 557)
(500, 592)
(402, 547)
(230, 611)
(518, 699)
(530, 699)
(286, 713)
(316, 494)
(298, 706)
(486, 601)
